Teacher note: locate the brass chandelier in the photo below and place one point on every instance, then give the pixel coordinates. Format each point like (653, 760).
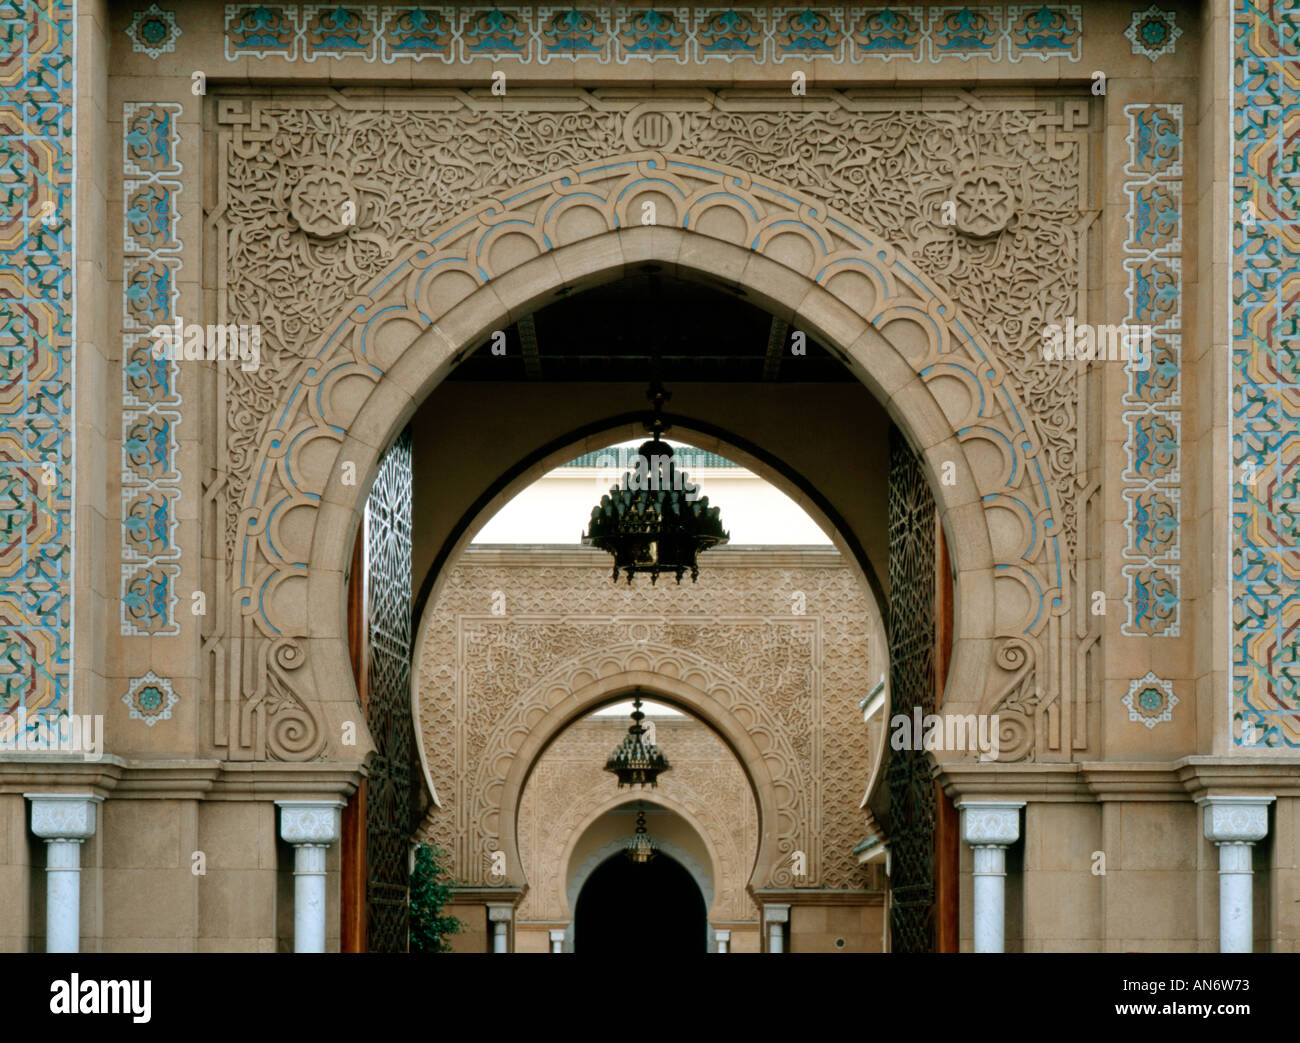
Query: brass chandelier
(638, 763)
(652, 521)
(641, 849)
(635, 761)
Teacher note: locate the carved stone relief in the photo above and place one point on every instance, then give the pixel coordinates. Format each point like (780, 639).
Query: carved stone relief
(848, 190)
(484, 683)
(569, 781)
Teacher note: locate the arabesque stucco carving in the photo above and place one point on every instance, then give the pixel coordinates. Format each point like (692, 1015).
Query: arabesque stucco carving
(453, 191)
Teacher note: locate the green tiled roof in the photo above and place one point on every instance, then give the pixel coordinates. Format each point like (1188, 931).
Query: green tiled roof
(625, 456)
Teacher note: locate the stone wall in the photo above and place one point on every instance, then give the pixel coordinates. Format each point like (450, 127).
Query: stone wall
(793, 669)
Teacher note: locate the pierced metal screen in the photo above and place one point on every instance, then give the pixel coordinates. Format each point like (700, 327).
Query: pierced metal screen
(911, 684)
(389, 803)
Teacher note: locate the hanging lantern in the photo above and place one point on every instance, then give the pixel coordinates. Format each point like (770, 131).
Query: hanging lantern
(652, 520)
(641, 849)
(635, 761)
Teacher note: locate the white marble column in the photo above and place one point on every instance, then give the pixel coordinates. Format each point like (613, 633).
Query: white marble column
(776, 916)
(64, 821)
(557, 940)
(311, 826)
(989, 827)
(1234, 825)
(499, 917)
(724, 940)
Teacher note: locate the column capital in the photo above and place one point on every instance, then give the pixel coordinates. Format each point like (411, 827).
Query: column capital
(557, 935)
(1236, 819)
(985, 822)
(63, 816)
(502, 913)
(776, 914)
(310, 821)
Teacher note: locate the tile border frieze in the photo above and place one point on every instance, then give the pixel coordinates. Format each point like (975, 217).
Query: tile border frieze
(841, 34)
(151, 401)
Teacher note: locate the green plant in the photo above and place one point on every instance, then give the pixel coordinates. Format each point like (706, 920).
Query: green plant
(429, 893)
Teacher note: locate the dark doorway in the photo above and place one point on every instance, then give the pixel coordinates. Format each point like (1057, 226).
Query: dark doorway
(656, 907)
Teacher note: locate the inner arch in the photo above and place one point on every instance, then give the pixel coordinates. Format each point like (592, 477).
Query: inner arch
(426, 359)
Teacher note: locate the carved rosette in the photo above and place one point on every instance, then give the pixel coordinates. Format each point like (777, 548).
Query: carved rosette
(324, 204)
(985, 202)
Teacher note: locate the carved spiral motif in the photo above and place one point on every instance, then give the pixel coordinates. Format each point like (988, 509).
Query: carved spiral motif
(292, 733)
(1015, 735)
(1012, 654)
(1016, 701)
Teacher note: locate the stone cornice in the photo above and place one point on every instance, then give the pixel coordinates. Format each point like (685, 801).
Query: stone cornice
(1101, 781)
(55, 773)
(1132, 781)
(179, 779)
(511, 894)
(814, 896)
(1031, 783)
(1274, 776)
(274, 780)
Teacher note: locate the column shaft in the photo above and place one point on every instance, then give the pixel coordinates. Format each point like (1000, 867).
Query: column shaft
(990, 898)
(989, 827)
(1234, 824)
(499, 916)
(774, 916)
(1235, 907)
(309, 898)
(311, 826)
(62, 895)
(64, 821)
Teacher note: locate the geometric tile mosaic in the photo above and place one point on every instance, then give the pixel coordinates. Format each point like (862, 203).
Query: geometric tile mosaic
(1152, 415)
(151, 265)
(1150, 700)
(37, 149)
(847, 33)
(150, 699)
(1265, 405)
(1153, 32)
(153, 31)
